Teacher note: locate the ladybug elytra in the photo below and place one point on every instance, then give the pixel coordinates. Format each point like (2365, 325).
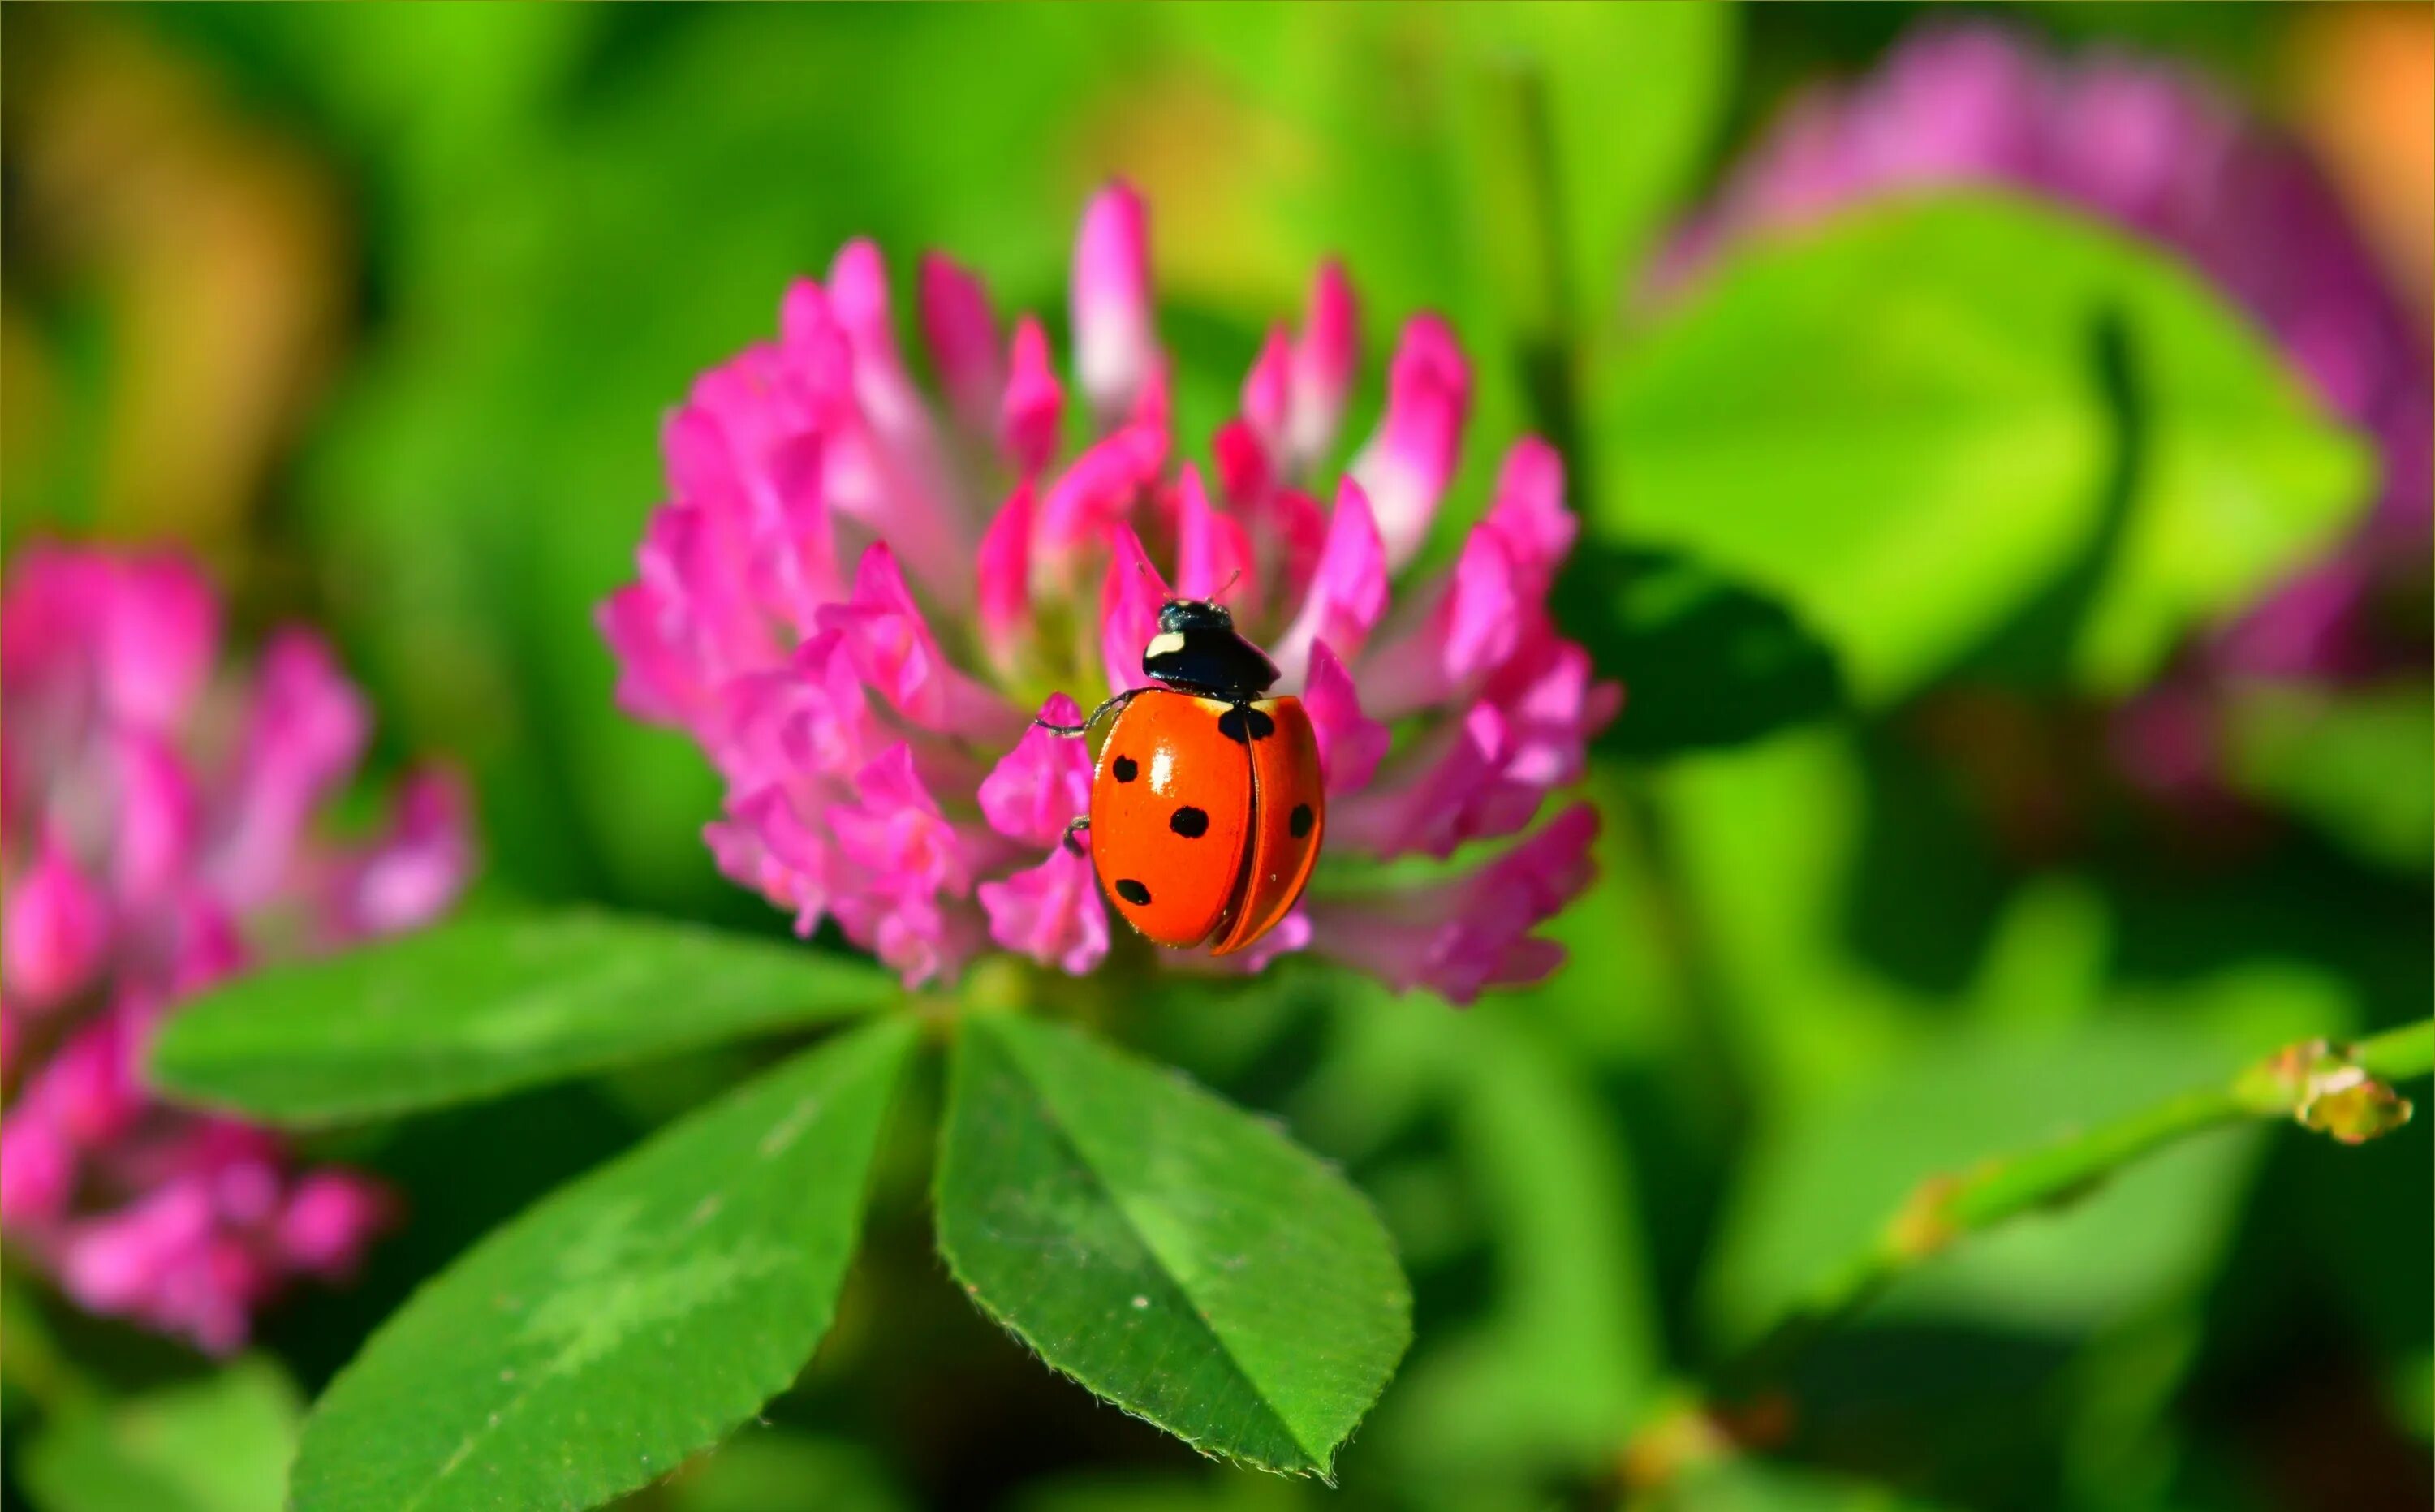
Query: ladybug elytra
(1206, 806)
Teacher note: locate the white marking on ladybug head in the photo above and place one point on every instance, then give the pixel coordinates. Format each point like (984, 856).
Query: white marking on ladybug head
(1166, 645)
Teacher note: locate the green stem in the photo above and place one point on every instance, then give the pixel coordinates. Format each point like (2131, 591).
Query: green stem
(1516, 183)
(2340, 1091)
(2398, 1054)
(1717, 1072)
(2336, 1089)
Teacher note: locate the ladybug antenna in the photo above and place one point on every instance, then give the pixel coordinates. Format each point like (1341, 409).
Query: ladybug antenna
(1229, 586)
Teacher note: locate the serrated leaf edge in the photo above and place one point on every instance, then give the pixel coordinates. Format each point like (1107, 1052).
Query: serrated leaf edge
(1318, 1466)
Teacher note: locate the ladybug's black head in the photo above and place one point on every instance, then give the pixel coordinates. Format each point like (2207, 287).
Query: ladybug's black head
(1181, 616)
(1198, 650)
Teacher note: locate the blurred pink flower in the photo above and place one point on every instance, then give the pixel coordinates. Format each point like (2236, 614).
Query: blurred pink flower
(857, 599)
(158, 818)
(2158, 152)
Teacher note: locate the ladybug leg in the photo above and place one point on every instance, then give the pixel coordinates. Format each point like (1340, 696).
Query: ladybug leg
(1095, 717)
(1074, 829)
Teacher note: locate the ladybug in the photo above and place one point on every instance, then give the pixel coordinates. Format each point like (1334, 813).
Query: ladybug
(1206, 808)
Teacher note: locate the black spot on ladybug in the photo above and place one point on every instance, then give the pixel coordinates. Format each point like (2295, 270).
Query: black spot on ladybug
(1243, 724)
(1131, 891)
(1189, 822)
(1127, 769)
(1298, 822)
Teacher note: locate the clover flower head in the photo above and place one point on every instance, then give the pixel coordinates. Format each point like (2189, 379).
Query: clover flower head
(158, 824)
(2154, 150)
(862, 587)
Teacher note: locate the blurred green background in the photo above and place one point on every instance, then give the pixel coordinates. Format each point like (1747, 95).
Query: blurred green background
(377, 309)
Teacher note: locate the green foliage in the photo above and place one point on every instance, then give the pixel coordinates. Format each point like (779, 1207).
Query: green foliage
(1564, 209)
(1748, 1485)
(1818, 1188)
(1564, 1345)
(1874, 1083)
(628, 1320)
(1833, 492)
(776, 1471)
(2360, 766)
(1170, 1493)
(1624, 159)
(473, 1009)
(1710, 664)
(220, 1444)
(1902, 424)
(1179, 1259)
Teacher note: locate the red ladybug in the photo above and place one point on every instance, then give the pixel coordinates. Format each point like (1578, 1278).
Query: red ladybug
(1206, 810)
